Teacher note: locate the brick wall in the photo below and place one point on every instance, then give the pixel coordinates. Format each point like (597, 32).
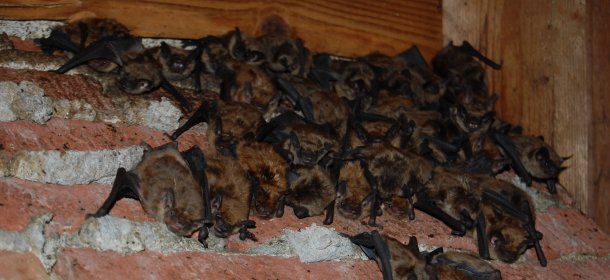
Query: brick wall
(62, 138)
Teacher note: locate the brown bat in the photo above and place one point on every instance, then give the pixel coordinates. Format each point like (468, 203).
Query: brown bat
(510, 221)
(349, 78)
(231, 192)
(396, 260)
(532, 158)
(139, 71)
(354, 193)
(75, 36)
(176, 64)
(170, 186)
(405, 261)
(458, 265)
(233, 126)
(312, 190)
(298, 141)
(318, 106)
(283, 53)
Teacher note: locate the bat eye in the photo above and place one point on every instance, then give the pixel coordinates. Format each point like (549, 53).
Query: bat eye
(542, 154)
(177, 65)
(143, 84)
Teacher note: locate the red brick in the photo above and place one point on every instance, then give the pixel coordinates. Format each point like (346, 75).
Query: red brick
(90, 264)
(21, 200)
(72, 87)
(24, 45)
(559, 269)
(63, 134)
(569, 231)
(21, 266)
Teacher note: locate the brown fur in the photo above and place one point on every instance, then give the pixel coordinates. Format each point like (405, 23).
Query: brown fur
(351, 204)
(281, 50)
(406, 261)
(452, 191)
(527, 147)
(457, 265)
(506, 232)
(97, 29)
(252, 85)
(140, 73)
(355, 78)
(227, 179)
(327, 107)
(314, 190)
(164, 171)
(174, 55)
(312, 138)
(262, 162)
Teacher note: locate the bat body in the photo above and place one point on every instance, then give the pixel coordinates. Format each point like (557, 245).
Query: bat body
(312, 190)
(231, 192)
(75, 36)
(298, 141)
(139, 71)
(282, 52)
(170, 188)
(457, 265)
(532, 158)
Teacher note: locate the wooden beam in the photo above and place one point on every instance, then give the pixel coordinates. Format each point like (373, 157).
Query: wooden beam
(599, 151)
(551, 81)
(339, 26)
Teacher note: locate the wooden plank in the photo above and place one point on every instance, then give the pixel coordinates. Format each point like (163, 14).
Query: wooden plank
(339, 26)
(545, 82)
(599, 152)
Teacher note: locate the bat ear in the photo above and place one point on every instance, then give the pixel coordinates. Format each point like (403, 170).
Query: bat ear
(413, 245)
(218, 126)
(294, 140)
(541, 138)
(165, 50)
(169, 200)
(342, 189)
(216, 202)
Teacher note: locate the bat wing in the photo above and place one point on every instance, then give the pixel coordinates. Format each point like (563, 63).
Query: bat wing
(509, 148)
(57, 40)
(414, 57)
(107, 48)
(375, 248)
(304, 103)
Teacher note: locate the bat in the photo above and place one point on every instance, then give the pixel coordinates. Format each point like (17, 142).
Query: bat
(231, 194)
(171, 187)
(312, 191)
(75, 36)
(396, 260)
(283, 53)
(298, 141)
(532, 158)
(318, 106)
(139, 71)
(233, 126)
(459, 265)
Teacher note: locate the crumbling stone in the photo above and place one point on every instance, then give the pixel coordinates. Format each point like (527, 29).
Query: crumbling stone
(311, 244)
(24, 101)
(74, 167)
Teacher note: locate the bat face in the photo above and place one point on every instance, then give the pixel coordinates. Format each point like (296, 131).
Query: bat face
(312, 189)
(355, 79)
(507, 236)
(307, 144)
(177, 64)
(252, 85)
(282, 53)
(233, 122)
(354, 195)
(468, 122)
(168, 190)
(454, 194)
(540, 159)
(231, 194)
(406, 261)
(269, 171)
(244, 48)
(139, 74)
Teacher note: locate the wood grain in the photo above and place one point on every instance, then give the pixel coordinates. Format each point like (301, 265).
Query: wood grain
(340, 26)
(551, 80)
(599, 152)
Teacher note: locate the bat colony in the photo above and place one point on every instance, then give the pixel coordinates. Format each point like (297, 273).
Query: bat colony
(321, 133)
